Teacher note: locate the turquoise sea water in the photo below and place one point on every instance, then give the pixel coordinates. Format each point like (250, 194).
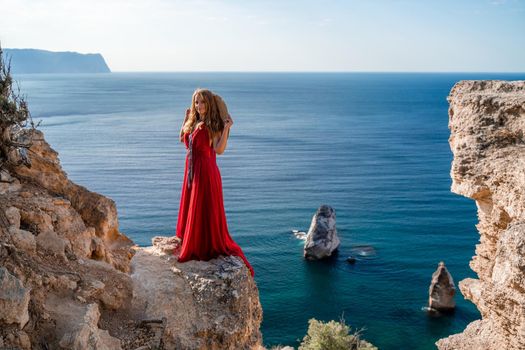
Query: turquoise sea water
(372, 145)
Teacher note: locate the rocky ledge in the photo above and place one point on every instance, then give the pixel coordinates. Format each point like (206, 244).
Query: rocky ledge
(487, 124)
(69, 279)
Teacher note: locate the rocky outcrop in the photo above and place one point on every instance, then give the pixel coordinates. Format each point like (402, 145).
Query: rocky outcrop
(222, 289)
(48, 203)
(442, 289)
(322, 238)
(487, 123)
(70, 280)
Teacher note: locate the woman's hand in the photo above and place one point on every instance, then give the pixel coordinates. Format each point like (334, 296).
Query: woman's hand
(228, 122)
(181, 134)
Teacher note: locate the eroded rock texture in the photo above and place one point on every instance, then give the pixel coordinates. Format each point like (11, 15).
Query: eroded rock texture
(487, 124)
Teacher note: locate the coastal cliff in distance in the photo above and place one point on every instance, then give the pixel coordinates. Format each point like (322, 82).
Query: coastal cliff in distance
(69, 279)
(41, 61)
(487, 124)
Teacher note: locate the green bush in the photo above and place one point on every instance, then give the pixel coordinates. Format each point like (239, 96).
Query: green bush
(332, 335)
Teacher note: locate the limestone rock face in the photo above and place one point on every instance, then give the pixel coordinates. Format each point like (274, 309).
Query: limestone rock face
(13, 216)
(322, 238)
(65, 276)
(86, 335)
(23, 239)
(487, 124)
(442, 289)
(207, 304)
(14, 299)
(73, 209)
(53, 244)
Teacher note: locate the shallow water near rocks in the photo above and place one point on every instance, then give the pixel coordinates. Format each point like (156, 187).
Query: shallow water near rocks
(374, 146)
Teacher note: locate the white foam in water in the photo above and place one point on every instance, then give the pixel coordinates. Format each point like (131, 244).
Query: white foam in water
(299, 234)
(430, 311)
(364, 250)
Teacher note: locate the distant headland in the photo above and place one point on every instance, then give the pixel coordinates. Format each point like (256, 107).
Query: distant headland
(42, 61)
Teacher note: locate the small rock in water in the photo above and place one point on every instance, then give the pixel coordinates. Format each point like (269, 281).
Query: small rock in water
(350, 260)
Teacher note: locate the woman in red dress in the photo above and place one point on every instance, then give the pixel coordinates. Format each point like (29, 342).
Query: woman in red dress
(201, 224)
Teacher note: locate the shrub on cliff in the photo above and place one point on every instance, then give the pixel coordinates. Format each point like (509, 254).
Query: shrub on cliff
(332, 335)
(16, 123)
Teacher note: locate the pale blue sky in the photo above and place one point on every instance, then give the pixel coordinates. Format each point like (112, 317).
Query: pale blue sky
(271, 35)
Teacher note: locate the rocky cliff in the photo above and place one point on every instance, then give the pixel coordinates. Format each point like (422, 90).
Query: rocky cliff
(487, 124)
(69, 279)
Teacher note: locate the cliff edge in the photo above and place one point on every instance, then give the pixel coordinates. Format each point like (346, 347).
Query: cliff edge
(70, 280)
(487, 124)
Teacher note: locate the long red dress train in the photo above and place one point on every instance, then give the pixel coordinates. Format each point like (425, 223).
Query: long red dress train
(201, 224)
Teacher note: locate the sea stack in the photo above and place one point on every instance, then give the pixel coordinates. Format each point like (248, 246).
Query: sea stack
(442, 290)
(322, 237)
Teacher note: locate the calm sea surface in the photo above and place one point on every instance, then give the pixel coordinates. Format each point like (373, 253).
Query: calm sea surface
(373, 146)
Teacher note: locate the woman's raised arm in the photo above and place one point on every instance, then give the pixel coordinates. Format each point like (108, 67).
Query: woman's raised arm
(220, 142)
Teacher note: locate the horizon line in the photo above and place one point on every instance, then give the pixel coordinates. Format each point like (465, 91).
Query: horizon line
(291, 71)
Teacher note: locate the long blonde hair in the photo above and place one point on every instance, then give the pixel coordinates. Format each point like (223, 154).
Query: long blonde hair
(212, 120)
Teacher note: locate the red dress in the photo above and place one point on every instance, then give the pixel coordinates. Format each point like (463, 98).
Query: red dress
(202, 221)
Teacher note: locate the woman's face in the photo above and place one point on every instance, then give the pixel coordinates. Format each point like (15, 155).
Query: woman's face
(200, 105)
